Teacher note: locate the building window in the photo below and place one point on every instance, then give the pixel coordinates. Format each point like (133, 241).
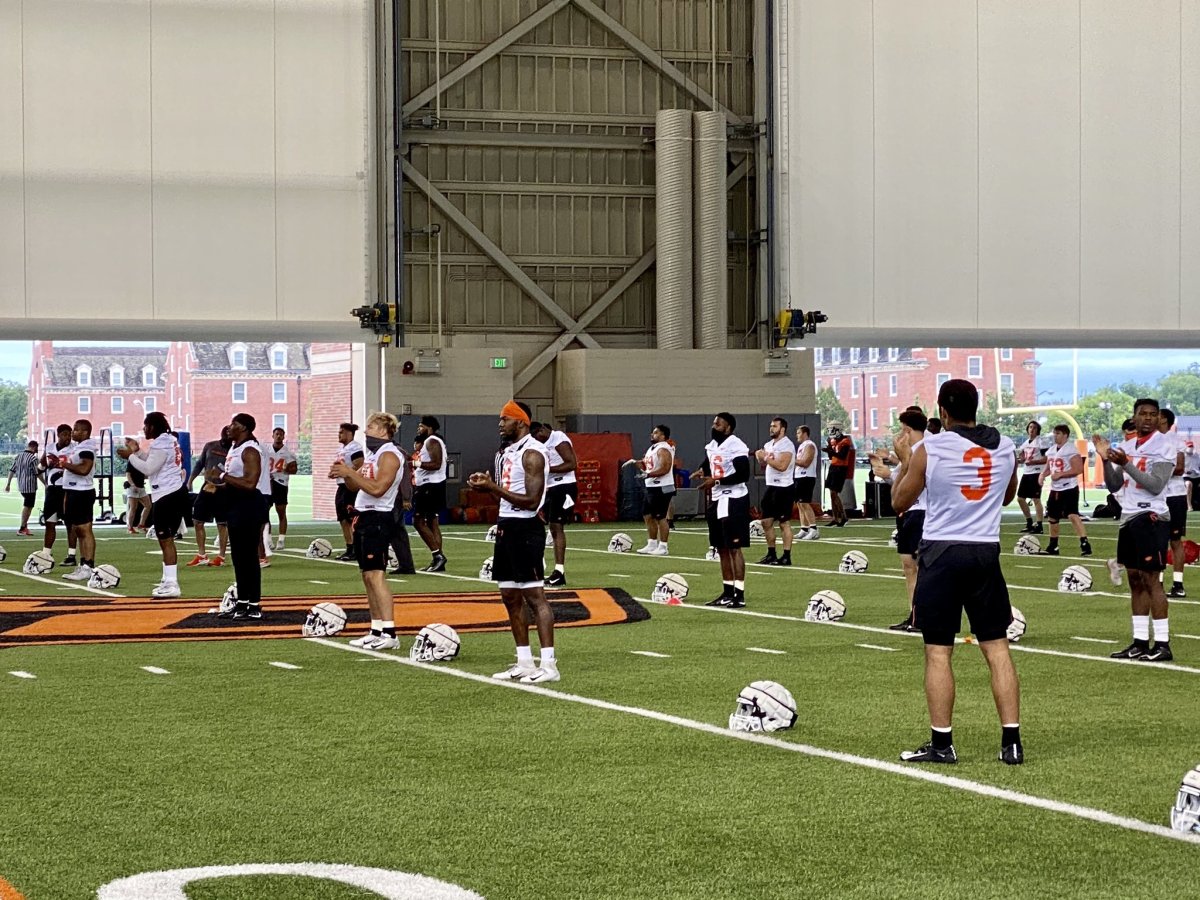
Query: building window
(974, 366)
(837, 387)
(817, 387)
(116, 377)
(873, 354)
(83, 376)
(942, 378)
(893, 385)
(819, 356)
(853, 355)
(853, 387)
(943, 354)
(836, 353)
(237, 357)
(874, 419)
(279, 392)
(118, 406)
(149, 404)
(279, 420)
(1006, 354)
(893, 354)
(149, 377)
(891, 416)
(1006, 382)
(874, 385)
(279, 356)
(84, 405)
(854, 420)
(239, 392)
(118, 430)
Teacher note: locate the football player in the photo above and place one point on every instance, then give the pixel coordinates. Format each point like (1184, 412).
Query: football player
(725, 473)
(52, 512)
(910, 525)
(1177, 501)
(1033, 459)
(1063, 467)
(429, 489)
(284, 465)
(657, 467)
(561, 494)
(777, 459)
(351, 455)
(161, 463)
(805, 479)
(79, 488)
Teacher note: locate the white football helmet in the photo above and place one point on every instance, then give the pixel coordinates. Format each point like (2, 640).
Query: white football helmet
(1075, 580)
(324, 620)
(434, 643)
(319, 549)
(895, 535)
(670, 588)
(393, 560)
(104, 577)
(853, 563)
(229, 599)
(756, 530)
(711, 554)
(1027, 545)
(490, 537)
(1016, 630)
(549, 538)
(620, 543)
(39, 562)
(825, 606)
(1185, 814)
(763, 706)
(3, 553)
(485, 571)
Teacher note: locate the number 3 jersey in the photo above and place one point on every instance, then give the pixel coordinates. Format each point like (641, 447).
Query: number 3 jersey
(966, 474)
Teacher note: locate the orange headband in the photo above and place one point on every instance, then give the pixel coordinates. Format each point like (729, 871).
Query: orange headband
(512, 411)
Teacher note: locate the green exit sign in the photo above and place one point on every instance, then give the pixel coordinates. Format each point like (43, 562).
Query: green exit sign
(499, 362)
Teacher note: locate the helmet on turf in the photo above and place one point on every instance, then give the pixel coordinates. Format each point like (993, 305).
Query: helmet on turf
(1185, 814)
(490, 537)
(39, 562)
(435, 642)
(1027, 545)
(319, 549)
(756, 530)
(763, 706)
(1016, 630)
(104, 577)
(485, 570)
(892, 541)
(825, 606)
(670, 588)
(620, 543)
(1075, 580)
(324, 620)
(393, 561)
(549, 538)
(3, 554)
(711, 554)
(853, 563)
(229, 599)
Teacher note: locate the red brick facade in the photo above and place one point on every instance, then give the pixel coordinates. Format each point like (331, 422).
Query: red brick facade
(331, 402)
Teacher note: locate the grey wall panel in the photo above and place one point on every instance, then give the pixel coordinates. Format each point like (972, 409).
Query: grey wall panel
(12, 163)
(1189, 193)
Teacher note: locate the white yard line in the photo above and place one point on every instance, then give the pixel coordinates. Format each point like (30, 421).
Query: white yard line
(918, 774)
(20, 674)
(617, 575)
(1094, 640)
(1190, 637)
(155, 670)
(650, 653)
(765, 650)
(74, 585)
(283, 665)
(314, 581)
(877, 647)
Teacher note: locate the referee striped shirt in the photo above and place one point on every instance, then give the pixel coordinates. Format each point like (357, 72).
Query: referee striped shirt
(24, 467)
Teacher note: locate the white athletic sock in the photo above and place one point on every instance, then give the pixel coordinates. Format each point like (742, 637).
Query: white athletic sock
(739, 585)
(1141, 628)
(1162, 631)
(170, 573)
(652, 543)
(524, 656)
(560, 568)
(547, 655)
(946, 730)
(377, 626)
(1178, 577)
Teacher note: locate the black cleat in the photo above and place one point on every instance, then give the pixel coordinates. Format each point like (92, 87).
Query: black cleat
(1177, 590)
(1160, 653)
(1028, 529)
(248, 611)
(70, 560)
(437, 565)
(1085, 549)
(769, 560)
(906, 625)
(1012, 755)
(927, 753)
(785, 560)
(723, 601)
(1037, 528)
(1049, 551)
(737, 601)
(1136, 650)
(556, 579)
(348, 556)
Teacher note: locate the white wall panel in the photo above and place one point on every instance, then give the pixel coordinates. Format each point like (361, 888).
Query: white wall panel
(1189, 170)
(1028, 162)
(12, 164)
(926, 198)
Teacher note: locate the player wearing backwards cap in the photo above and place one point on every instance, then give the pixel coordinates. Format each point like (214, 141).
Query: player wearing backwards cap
(521, 543)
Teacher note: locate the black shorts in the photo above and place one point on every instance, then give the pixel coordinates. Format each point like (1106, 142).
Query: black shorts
(657, 502)
(777, 502)
(169, 512)
(77, 508)
(52, 508)
(1062, 504)
(733, 531)
(343, 502)
(953, 576)
(909, 528)
(835, 478)
(210, 506)
(1028, 487)
(429, 500)
(279, 494)
(805, 488)
(29, 498)
(1142, 543)
(519, 554)
(555, 509)
(372, 537)
(1178, 508)
(1195, 483)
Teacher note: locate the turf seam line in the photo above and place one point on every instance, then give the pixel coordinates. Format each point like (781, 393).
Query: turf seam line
(985, 790)
(69, 586)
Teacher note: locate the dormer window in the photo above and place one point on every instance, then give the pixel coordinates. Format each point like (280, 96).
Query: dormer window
(149, 376)
(83, 376)
(237, 356)
(279, 356)
(116, 377)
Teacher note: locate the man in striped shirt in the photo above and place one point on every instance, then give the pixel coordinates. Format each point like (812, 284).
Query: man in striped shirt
(24, 467)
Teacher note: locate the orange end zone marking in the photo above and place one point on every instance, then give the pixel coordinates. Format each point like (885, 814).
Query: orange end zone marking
(8, 892)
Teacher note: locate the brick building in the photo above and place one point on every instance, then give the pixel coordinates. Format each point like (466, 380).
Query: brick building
(875, 384)
(332, 404)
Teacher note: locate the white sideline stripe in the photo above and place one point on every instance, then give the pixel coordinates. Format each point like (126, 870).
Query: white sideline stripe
(617, 575)
(1094, 640)
(397, 581)
(877, 647)
(71, 585)
(1190, 637)
(974, 787)
(155, 670)
(314, 581)
(651, 653)
(20, 674)
(1035, 568)
(765, 650)
(693, 574)
(283, 665)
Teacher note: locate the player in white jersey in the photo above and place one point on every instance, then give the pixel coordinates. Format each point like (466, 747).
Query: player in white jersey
(967, 473)
(352, 455)
(805, 480)
(725, 473)
(1177, 501)
(1033, 460)
(561, 494)
(657, 467)
(777, 459)
(80, 495)
(521, 543)
(1064, 465)
(1191, 473)
(910, 525)
(283, 464)
(162, 464)
(377, 485)
(1137, 472)
(246, 483)
(52, 511)
(429, 489)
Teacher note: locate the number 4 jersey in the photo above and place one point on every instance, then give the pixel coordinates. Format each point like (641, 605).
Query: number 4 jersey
(966, 474)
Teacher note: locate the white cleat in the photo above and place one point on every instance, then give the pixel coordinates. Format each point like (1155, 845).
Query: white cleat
(279, 544)
(646, 549)
(517, 672)
(383, 642)
(660, 550)
(364, 640)
(542, 674)
(81, 573)
(166, 589)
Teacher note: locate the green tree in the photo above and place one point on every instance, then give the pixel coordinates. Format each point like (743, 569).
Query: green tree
(1180, 391)
(830, 410)
(1009, 424)
(14, 403)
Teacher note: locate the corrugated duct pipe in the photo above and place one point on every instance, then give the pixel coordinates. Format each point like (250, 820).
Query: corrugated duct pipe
(711, 217)
(673, 213)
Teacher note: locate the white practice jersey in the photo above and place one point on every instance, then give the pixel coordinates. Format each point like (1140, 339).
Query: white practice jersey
(54, 474)
(347, 454)
(429, 476)
(1059, 460)
(89, 449)
(512, 476)
(278, 462)
(236, 466)
(898, 475)
(167, 478)
(1176, 487)
(809, 471)
(666, 480)
(552, 443)
(964, 488)
(1135, 499)
(1191, 463)
(363, 501)
(720, 465)
(1034, 449)
(775, 449)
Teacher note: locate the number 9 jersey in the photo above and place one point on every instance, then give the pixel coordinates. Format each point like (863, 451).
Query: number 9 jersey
(965, 482)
